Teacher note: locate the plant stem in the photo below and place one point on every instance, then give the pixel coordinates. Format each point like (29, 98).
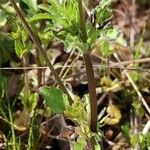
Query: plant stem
(14, 145)
(82, 22)
(39, 71)
(92, 92)
(37, 42)
(26, 81)
(89, 71)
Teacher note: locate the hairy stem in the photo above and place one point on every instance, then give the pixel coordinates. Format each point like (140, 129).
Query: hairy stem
(82, 22)
(89, 71)
(92, 92)
(37, 42)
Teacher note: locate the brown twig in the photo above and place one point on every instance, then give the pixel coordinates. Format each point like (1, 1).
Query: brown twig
(115, 64)
(71, 66)
(95, 65)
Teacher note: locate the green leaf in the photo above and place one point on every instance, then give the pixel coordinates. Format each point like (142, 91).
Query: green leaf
(9, 10)
(70, 42)
(103, 11)
(3, 1)
(105, 48)
(134, 140)
(139, 111)
(19, 48)
(3, 18)
(32, 4)
(105, 3)
(80, 144)
(93, 33)
(115, 35)
(40, 16)
(32, 101)
(55, 98)
(29, 101)
(148, 141)
(126, 129)
(137, 51)
(76, 112)
(46, 36)
(107, 40)
(22, 44)
(135, 75)
(64, 15)
(97, 147)
(6, 48)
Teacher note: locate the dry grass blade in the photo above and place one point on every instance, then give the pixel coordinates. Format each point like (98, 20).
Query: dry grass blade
(146, 128)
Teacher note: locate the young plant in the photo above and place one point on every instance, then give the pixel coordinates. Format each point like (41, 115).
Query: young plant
(71, 27)
(76, 31)
(78, 112)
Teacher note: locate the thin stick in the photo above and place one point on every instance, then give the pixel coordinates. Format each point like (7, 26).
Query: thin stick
(71, 66)
(143, 60)
(97, 59)
(37, 42)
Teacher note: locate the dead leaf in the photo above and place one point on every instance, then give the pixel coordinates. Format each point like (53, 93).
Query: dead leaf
(21, 121)
(114, 115)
